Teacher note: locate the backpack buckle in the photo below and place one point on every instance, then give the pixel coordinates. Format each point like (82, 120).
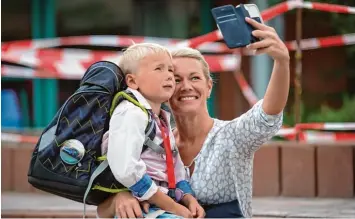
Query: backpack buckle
(171, 194)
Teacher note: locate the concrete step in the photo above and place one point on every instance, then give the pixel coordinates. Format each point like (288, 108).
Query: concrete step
(32, 205)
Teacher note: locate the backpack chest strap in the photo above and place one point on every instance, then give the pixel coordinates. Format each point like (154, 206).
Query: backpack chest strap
(150, 135)
(157, 148)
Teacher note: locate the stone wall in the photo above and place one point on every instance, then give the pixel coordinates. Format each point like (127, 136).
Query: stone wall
(280, 169)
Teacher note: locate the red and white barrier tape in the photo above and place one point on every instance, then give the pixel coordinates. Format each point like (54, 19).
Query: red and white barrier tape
(18, 138)
(71, 63)
(319, 131)
(334, 8)
(350, 126)
(323, 42)
(326, 137)
(289, 133)
(270, 13)
(306, 44)
(201, 42)
(245, 88)
(17, 47)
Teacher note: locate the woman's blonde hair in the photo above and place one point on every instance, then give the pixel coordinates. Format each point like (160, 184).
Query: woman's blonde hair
(135, 53)
(194, 54)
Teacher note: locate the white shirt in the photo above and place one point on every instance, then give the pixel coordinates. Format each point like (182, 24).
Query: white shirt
(224, 167)
(124, 145)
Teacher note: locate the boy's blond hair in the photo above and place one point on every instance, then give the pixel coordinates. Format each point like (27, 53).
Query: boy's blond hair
(135, 53)
(187, 52)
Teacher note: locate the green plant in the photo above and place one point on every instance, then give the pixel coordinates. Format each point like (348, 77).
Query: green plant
(325, 114)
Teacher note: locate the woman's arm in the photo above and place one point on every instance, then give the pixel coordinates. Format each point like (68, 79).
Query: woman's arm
(252, 129)
(264, 119)
(277, 91)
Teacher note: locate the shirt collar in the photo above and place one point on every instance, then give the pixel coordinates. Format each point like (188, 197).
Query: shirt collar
(141, 99)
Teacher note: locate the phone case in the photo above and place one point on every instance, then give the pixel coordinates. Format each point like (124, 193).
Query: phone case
(231, 22)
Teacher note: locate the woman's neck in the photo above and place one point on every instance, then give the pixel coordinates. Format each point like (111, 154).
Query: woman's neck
(192, 127)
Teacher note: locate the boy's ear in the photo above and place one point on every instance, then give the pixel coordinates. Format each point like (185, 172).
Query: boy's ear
(131, 81)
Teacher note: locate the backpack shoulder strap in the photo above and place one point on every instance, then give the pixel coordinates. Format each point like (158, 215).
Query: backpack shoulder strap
(125, 95)
(150, 130)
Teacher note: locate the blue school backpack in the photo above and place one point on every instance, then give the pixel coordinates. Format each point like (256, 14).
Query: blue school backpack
(67, 160)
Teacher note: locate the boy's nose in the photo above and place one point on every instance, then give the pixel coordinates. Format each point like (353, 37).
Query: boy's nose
(170, 77)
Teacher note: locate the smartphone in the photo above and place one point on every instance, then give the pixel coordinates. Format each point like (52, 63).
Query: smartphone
(254, 12)
(231, 22)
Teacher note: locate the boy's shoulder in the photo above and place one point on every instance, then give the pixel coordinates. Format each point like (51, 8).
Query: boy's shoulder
(132, 103)
(138, 96)
(129, 109)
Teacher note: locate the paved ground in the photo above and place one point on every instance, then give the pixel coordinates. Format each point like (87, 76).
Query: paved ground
(262, 207)
(304, 207)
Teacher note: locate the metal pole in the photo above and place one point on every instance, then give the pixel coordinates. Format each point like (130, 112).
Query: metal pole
(38, 109)
(298, 72)
(50, 86)
(207, 26)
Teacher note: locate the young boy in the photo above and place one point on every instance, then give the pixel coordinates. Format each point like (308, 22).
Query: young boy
(149, 75)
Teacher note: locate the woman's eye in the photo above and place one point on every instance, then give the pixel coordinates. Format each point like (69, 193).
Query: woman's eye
(195, 78)
(177, 81)
(170, 70)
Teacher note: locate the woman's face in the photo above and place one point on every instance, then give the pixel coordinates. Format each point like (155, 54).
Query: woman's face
(192, 87)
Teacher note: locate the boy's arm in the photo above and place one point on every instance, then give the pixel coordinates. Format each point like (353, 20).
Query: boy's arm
(182, 186)
(126, 139)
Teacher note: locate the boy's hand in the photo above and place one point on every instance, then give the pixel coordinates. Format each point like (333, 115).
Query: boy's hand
(180, 210)
(196, 209)
(145, 205)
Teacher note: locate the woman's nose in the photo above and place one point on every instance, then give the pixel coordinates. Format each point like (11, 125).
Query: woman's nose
(186, 85)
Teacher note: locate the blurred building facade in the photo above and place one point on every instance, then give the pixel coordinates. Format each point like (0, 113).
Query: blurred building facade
(39, 99)
(23, 19)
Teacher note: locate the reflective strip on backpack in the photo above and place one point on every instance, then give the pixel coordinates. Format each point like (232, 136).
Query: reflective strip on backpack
(95, 174)
(104, 189)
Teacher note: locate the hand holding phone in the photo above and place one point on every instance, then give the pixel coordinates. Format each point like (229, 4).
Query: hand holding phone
(231, 22)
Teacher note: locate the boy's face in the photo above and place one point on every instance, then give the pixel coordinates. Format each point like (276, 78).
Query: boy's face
(154, 77)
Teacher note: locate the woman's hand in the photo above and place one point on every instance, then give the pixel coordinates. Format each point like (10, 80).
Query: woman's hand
(270, 42)
(122, 205)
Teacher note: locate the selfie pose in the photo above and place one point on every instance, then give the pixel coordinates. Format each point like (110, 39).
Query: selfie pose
(218, 155)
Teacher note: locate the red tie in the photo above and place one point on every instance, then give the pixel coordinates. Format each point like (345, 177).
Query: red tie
(169, 156)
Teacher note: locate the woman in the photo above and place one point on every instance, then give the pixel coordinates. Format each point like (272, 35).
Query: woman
(218, 155)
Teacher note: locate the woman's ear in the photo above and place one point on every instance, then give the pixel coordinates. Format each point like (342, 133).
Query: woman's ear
(209, 86)
(131, 81)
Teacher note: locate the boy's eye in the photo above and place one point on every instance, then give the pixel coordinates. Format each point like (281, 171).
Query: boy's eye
(170, 70)
(158, 68)
(177, 81)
